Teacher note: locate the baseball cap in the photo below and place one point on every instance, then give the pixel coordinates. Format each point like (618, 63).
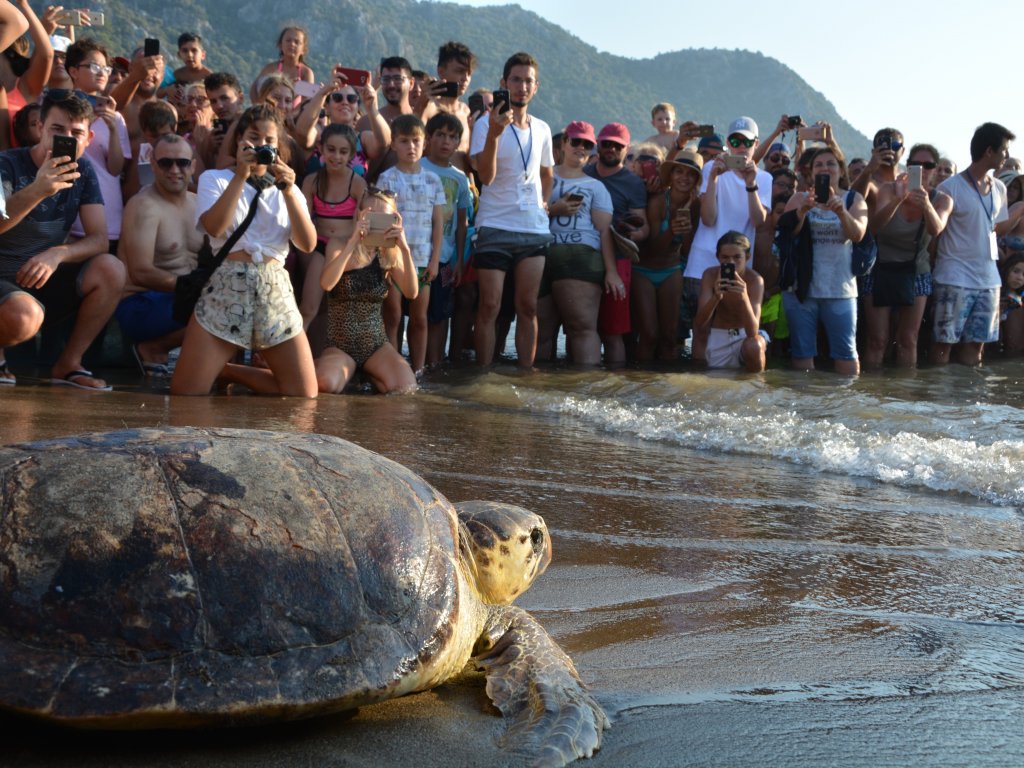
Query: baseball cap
(714, 141)
(778, 146)
(744, 126)
(60, 43)
(616, 132)
(578, 129)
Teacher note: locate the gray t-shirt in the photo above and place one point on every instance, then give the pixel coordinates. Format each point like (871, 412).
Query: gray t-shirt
(832, 277)
(967, 256)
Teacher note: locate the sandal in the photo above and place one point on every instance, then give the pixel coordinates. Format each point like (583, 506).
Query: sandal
(6, 377)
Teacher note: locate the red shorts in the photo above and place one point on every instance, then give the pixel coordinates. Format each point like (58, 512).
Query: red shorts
(613, 317)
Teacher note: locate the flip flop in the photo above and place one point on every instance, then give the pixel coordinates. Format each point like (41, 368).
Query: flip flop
(6, 377)
(147, 368)
(69, 381)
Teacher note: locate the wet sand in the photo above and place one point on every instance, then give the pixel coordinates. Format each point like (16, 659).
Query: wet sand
(725, 611)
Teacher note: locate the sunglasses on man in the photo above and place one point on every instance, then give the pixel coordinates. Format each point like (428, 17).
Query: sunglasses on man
(587, 144)
(740, 141)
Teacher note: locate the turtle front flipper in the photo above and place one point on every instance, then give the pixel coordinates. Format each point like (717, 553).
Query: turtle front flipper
(552, 717)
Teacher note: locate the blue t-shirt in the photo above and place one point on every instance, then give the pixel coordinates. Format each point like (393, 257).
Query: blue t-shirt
(457, 198)
(49, 223)
(626, 188)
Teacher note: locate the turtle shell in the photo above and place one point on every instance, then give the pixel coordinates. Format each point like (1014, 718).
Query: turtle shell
(166, 578)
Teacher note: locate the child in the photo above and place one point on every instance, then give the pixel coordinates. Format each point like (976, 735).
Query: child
(663, 118)
(444, 136)
(358, 277)
(730, 306)
(1011, 316)
(155, 119)
(421, 203)
(192, 55)
(331, 194)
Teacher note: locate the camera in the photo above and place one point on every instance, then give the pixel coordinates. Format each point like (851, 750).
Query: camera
(265, 155)
(794, 121)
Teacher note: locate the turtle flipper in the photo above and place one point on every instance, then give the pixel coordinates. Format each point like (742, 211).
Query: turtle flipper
(552, 717)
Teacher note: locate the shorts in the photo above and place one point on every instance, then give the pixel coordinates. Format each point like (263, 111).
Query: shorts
(725, 347)
(613, 316)
(965, 314)
(502, 250)
(922, 284)
(60, 297)
(839, 316)
(250, 305)
(147, 315)
(442, 296)
(772, 311)
(574, 262)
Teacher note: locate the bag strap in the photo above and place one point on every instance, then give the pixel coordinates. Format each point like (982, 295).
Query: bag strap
(230, 242)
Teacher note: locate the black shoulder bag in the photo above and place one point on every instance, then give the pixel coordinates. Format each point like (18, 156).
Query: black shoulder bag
(188, 288)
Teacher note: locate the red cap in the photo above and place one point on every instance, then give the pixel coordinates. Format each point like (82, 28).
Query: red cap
(616, 132)
(577, 129)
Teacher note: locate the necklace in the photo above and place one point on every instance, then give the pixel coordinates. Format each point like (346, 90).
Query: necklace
(988, 209)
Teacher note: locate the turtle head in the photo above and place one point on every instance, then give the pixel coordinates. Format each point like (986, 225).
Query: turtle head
(505, 548)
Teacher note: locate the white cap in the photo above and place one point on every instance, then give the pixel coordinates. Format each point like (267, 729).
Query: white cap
(744, 126)
(60, 43)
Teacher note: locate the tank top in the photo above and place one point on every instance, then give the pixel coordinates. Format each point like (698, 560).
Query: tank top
(324, 209)
(896, 243)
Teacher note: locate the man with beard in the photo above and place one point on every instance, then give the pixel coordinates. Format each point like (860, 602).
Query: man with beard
(159, 242)
(511, 151)
(629, 227)
(395, 84)
(144, 77)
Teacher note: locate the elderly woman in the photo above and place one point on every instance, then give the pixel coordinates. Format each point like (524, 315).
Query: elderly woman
(828, 226)
(657, 287)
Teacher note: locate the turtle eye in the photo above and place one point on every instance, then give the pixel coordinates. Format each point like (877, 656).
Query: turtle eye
(537, 538)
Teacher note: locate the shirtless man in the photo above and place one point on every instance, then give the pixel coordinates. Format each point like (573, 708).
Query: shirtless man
(395, 84)
(729, 308)
(159, 242)
(455, 64)
(144, 77)
(883, 167)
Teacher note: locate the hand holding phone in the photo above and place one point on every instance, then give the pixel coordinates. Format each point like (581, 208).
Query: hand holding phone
(502, 101)
(726, 274)
(914, 180)
(735, 162)
(65, 146)
(822, 188)
(354, 77)
(813, 133)
(151, 47)
(378, 224)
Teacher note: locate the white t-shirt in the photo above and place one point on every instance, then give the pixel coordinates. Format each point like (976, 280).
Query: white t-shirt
(513, 201)
(268, 233)
(579, 229)
(967, 255)
(733, 214)
(416, 195)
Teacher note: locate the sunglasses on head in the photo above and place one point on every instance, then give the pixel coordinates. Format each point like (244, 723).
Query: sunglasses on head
(606, 144)
(63, 94)
(777, 158)
(740, 141)
(166, 163)
(351, 98)
(646, 158)
(928, 165)
(587, 144)
(371, 191)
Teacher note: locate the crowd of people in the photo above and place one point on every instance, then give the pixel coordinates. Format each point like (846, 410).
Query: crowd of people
(338, 231)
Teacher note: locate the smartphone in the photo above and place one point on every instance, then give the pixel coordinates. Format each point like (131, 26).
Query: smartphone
(354, 77)
(794, 121)
(450, 89)
(648, 169)
(379, 224)
(812, 133)
(65, 146)
(501, 95)
(574, 197)
(822, 187)
(728, 272)
(220, 125)
(705, 130)
(151, 47)
(476, 103)
(735, 162)
(914, 177)
(96, 18)
(70, 19)
(305, 90)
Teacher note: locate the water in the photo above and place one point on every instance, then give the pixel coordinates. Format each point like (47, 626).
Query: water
(762, 557)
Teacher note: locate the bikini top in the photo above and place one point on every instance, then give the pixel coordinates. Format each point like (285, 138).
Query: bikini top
(324, 209)
(298, 71)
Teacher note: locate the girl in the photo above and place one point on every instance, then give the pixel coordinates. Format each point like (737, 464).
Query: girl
(358, 277)
(1011, 329)
(293, 44)
(248, 302)
(331, 195)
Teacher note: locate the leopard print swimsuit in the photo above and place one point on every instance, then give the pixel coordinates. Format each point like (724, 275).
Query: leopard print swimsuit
(355, 320)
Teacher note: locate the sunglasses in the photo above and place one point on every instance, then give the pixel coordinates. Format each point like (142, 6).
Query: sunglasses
(928, 165)
(587, 144)
(646, 158)
(166, 163)
(781, 159)
(338, 98)
(612, 145)
(740, 141)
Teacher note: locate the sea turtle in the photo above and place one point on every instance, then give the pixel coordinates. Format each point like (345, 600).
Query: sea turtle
(171, 578)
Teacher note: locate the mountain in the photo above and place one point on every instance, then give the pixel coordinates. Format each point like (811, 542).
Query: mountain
(577, 81)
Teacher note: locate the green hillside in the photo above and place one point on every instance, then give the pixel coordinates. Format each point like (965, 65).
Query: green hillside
(577, 81)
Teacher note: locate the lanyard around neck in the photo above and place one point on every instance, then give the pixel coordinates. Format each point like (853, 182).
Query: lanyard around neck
(990, 208)
(529, 147)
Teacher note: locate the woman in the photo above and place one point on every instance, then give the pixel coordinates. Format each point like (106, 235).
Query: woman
(904, 224)
(248, 302)
(278, 94)
(829, 229)
(23, 75)
(657, 288)
(341, 103)
(1011, 231)
(581, 260)
(358, 277)
(293, 44)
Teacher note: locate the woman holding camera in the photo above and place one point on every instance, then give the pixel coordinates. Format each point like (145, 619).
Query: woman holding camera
(248, 302)
(827, 222)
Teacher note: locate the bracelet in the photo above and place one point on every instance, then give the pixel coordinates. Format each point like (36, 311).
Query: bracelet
(752, 189)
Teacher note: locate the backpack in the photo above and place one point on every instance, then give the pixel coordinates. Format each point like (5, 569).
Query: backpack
(866, 251)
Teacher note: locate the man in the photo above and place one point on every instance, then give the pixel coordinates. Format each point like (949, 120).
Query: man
(225, 95)
(966, 277)
(629, 227)
(43, 278)
(777, 157)
(883, 167)
(710, 147)
(511, 151)
(735, 196)
(160, 242)
(144, 77)
(455, 64)
(395, 83)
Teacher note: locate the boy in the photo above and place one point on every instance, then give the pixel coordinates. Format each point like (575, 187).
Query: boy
(444, 136)
(192, 55)
(421, 201)
(155, 119)
(729, 308)
(663, 118)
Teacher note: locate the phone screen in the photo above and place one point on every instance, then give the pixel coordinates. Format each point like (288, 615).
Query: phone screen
(501, 95)
(822, 187)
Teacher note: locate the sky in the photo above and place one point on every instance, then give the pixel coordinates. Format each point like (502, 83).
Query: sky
(935, 70)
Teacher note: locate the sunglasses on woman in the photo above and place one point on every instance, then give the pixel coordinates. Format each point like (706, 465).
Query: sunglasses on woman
(166, 163)
(587, 144)
(338, 98)
(740, 141)
(928, 165)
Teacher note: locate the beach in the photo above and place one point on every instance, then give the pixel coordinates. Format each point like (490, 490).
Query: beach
(784, 569)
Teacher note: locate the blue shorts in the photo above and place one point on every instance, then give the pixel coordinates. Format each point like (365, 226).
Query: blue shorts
(146, 315)
(839, 316)
(965, 314)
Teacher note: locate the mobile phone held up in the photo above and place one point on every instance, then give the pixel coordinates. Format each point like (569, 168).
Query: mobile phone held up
(735, 162)
(151, 47)
(822, 188)
(449, 89)
(65, 146)
(914, 177)
(812, 133)
(502, 101)
(728, 272)
(353, 77)
(379, 223)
